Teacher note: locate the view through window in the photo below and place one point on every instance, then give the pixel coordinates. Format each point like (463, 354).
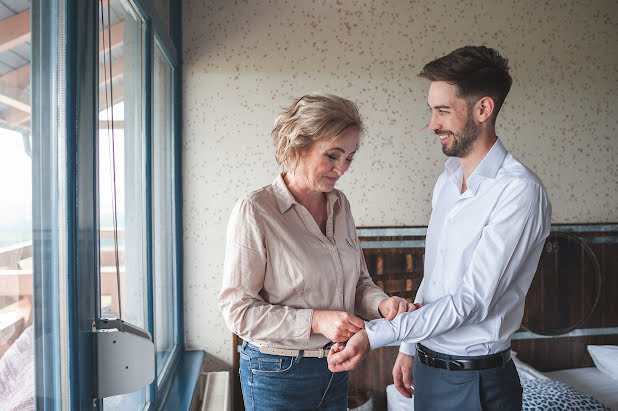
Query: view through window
(16, 266)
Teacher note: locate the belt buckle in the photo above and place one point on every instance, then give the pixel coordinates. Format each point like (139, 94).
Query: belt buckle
(422, 355)
(458, 364)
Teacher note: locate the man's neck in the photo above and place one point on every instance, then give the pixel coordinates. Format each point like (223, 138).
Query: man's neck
(482, 146)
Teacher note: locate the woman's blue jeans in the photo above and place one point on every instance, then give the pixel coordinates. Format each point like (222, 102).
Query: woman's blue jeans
(274, 382)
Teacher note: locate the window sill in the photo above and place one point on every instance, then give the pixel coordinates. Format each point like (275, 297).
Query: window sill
(184, 381)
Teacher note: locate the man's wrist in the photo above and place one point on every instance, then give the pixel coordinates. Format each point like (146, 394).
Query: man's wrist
(408, 348)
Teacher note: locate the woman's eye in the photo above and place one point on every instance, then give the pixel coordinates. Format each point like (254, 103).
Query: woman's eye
(349, 160)
(332, 157)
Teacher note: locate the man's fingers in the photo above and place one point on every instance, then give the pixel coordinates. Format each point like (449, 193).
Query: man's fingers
(400, 384)
(341, 356)
(346, 365)
(405, 392)
(334, 348)
(407, 383)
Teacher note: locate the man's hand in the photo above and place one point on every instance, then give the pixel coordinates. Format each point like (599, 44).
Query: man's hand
(393, 306)
(337, 326)
(345, 358)
(402, 374)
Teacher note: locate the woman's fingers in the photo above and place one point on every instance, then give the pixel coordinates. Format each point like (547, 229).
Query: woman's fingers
(356, 322)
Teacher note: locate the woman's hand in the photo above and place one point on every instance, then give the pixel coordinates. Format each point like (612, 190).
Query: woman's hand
(393, 306)
(337, 326)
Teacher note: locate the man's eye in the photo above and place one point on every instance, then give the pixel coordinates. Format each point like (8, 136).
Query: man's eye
(442, 112)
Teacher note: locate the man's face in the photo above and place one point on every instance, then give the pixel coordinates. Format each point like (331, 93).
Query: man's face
(451, 120)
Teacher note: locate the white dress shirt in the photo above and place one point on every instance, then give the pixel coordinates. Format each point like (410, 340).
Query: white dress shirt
(481, 252)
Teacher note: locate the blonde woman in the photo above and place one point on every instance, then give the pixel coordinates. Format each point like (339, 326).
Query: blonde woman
(295, 280)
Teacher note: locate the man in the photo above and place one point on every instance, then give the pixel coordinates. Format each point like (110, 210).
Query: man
(490, 218)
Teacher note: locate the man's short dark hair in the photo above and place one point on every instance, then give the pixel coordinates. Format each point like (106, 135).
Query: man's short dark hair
(477, 71)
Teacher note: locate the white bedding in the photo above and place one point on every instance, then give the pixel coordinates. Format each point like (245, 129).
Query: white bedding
(590, 381)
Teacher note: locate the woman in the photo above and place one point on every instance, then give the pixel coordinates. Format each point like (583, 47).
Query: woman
(295, 279)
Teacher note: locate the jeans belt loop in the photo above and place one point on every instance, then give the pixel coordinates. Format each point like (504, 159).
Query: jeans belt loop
(299, 356)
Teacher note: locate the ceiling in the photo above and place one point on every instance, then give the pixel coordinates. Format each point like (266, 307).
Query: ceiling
(15, 51)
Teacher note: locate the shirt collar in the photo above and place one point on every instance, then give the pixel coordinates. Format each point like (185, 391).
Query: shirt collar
(492, 161)
(285, 199)
(488, 167)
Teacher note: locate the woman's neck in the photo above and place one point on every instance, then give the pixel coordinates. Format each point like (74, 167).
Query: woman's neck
(313, 201)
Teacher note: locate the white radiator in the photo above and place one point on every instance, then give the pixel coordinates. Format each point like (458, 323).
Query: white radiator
(217, 392)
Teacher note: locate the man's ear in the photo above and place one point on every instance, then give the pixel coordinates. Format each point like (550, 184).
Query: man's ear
(484, 109)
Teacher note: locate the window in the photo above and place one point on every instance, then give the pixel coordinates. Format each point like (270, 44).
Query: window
(163, 210)
(74, 245)
(122, 175)
(17, 300)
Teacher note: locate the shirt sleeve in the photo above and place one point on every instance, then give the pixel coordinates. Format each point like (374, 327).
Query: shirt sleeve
(245, 312)
(515, 233)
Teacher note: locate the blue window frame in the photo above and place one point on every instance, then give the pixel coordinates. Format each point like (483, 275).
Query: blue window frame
(66, 226)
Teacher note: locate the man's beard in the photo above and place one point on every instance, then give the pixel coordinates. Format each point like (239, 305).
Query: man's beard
(463, 141)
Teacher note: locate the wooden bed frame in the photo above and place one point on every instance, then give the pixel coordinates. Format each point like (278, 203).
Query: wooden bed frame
(573, 295)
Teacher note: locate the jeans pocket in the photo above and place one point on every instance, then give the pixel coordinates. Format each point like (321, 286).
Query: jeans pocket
(273, 365)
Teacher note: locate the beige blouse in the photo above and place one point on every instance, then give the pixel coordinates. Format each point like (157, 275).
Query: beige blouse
(279, 267)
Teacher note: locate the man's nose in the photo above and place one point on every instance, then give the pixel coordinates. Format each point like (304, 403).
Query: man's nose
(433, 123)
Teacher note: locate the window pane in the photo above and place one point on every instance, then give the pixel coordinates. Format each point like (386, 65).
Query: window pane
(122, 174)
(17, 370)
(163, 8)
(16, 302)
(163, 230)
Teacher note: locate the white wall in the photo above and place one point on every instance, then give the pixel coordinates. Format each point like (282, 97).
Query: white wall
(244, 60)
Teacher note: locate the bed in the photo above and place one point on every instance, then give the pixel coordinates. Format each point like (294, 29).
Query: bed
(586, 388)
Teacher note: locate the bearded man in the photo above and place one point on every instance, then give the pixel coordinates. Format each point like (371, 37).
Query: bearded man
(490, 218)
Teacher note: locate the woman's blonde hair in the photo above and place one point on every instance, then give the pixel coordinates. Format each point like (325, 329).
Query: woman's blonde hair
(311, 118)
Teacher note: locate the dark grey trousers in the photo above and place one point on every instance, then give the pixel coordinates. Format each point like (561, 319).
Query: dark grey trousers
(491, 389)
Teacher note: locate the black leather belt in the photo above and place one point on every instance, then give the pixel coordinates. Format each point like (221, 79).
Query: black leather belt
(492, 361)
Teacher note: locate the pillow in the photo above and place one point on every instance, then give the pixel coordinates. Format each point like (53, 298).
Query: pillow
(525, 371)
(396, 402)
(541, 395)
(605, 357)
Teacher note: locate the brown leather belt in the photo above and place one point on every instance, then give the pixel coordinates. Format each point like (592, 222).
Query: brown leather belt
(291, 352)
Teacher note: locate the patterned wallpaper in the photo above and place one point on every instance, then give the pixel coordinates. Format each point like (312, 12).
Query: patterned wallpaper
(244, 60)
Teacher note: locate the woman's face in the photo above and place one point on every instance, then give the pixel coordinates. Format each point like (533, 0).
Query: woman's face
(327, 160)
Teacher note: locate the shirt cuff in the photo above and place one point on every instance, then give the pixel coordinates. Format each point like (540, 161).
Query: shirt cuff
(380, 332)
(408, 348)
(302, 323)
